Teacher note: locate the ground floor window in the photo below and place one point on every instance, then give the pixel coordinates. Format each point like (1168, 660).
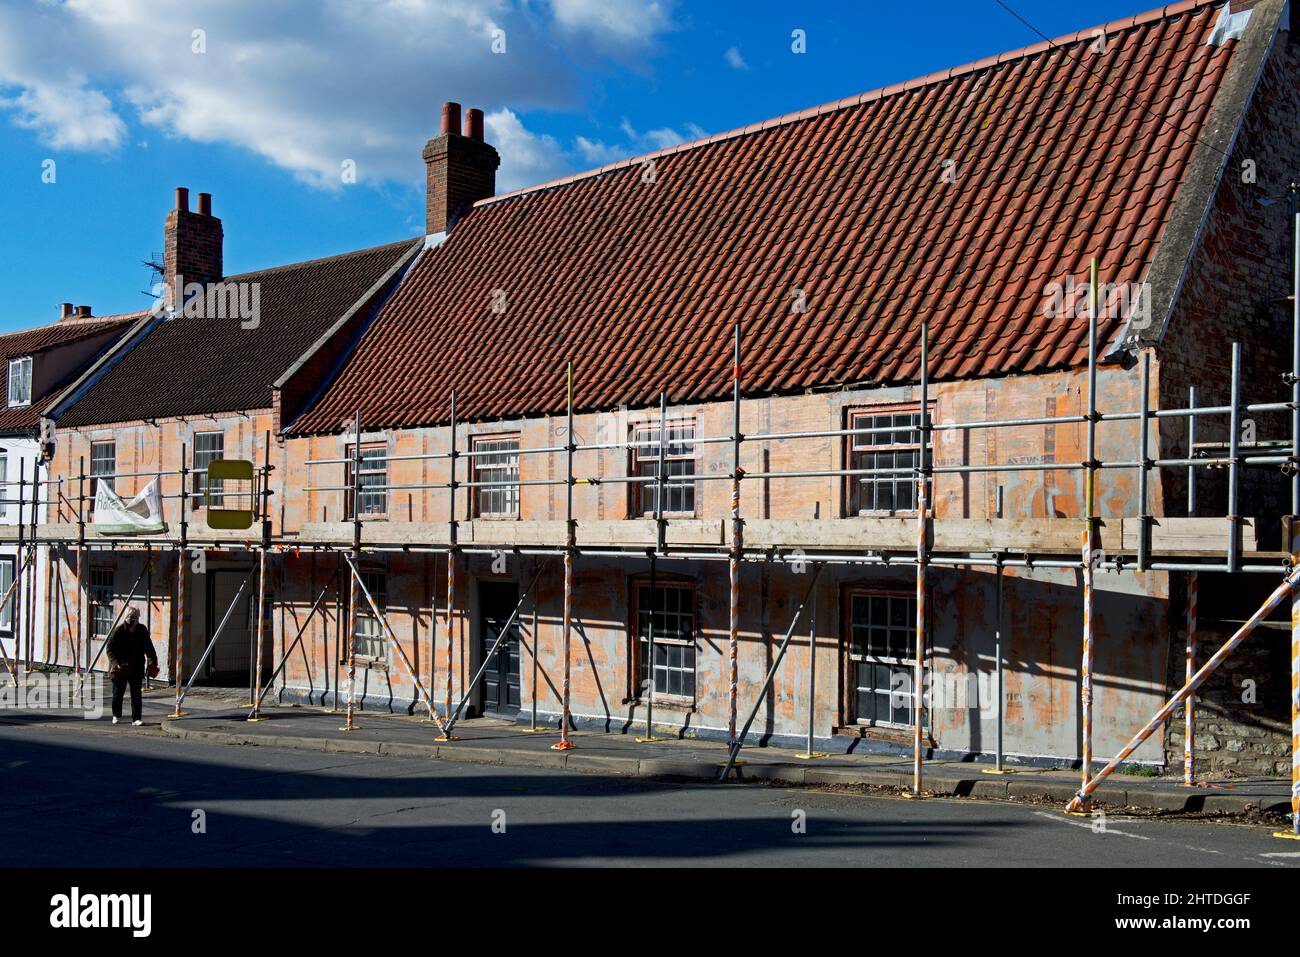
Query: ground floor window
(371, 638)
(7, 563)
(882, 657)
(665, 615)
(101, 601)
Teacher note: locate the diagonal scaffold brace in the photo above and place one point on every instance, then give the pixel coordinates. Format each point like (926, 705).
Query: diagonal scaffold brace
(739, 743)
(302, 630)
(18, 576)
(401, 652)
(1083, 799)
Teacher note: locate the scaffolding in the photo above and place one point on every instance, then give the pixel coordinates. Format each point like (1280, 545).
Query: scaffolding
(1142, 543)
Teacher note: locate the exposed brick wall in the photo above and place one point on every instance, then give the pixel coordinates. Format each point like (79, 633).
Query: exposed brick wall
(458, 172)
(192, 247)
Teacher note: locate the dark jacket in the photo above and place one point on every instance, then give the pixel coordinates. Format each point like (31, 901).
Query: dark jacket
(129, 647)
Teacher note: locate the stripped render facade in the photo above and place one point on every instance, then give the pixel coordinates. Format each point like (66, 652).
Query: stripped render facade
(1176, 218)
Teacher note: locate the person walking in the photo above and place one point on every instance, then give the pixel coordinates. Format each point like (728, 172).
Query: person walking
(128, 647)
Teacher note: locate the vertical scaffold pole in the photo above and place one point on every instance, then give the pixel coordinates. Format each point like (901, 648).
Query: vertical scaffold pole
(733, 557)
(1144, 441)
(649, 666)
(922, 559)
(1295, 350)
(564, 744)
(997, 640)
(18, 610)
(81, 567)
(350, 723)
(451, 559)
(1234, 470)
(1189, 709)
(1089, 531)
(179, 669)
(1295, 688)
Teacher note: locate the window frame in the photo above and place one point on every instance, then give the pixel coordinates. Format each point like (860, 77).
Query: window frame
(9, 608)
(853, 659)
(96, 606)
(647, 456)
(855, 445)
(110, 475)
(379, 592)
(381, 472)
(24, 364)
(201, 478)
(637, 688)
(511, 493)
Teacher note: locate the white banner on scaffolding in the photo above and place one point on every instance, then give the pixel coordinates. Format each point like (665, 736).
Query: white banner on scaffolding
(141, 515)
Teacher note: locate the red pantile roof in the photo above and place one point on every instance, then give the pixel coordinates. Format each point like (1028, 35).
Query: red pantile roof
(1059, 152)
(40, 339)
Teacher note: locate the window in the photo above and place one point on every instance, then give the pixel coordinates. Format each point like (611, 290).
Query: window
(7, 564)
(671, 609)
(208, 447)
(882, 652)
(20, 381)
(374, 477)
(101, 601)
(371, 637)
(103, 461)
(899, 448)
(679, 469)
(497, 460)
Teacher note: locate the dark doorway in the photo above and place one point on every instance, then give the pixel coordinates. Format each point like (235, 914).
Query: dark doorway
(496, 602)
(228, 664)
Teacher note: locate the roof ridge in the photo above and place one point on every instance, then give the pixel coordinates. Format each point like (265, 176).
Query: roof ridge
(1088, 33)
(74, 322)
(323, 259)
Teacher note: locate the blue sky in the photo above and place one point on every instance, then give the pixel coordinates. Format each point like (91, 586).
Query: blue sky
(119, 95)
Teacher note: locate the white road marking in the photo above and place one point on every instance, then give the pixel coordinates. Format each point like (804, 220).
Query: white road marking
(1109, 830)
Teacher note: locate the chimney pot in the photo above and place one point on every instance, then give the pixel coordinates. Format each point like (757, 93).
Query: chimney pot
(450, 117)
(83, 312)
(205, 204)
(474, 125)
(460, 169)
(65, 310)
(182, 199)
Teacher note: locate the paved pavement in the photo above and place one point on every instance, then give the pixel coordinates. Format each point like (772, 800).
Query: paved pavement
(500, 742)
(88, 794)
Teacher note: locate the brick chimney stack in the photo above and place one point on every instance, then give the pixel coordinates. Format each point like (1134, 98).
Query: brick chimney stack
(192, 244)
(460, 169)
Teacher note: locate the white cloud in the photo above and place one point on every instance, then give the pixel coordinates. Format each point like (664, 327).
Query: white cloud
(526, 158)
(308, 84)
(614, 23)
(734, 59)
(600, 153)
(68, 116)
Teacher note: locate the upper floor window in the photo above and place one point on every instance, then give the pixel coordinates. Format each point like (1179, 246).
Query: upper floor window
(103, 463)
(898, 448)
(208, 447)
(372, 478)
(496, 461)
(678, 479)
(20, 381)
